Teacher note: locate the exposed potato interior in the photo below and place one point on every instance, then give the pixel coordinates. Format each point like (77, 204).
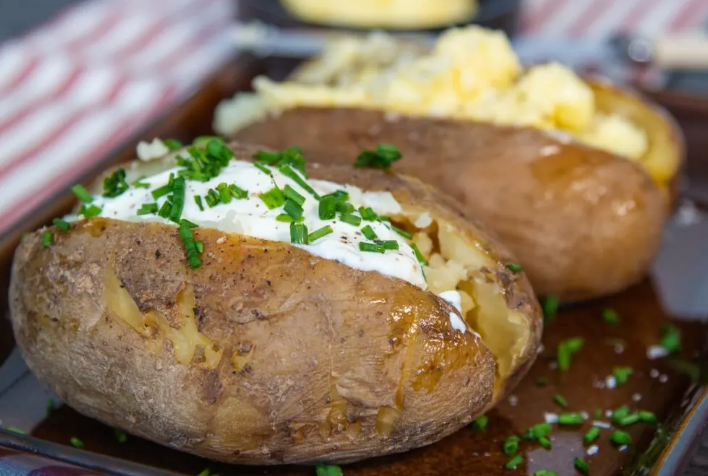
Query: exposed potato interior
(456, 262)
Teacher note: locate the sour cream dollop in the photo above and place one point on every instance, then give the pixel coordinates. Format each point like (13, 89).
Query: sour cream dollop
(250, 216)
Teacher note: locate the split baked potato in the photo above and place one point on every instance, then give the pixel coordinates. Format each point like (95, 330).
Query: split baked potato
(262, 352)
(575, 177)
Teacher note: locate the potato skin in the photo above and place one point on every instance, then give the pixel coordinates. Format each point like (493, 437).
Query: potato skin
(309, 350)
(584, 223)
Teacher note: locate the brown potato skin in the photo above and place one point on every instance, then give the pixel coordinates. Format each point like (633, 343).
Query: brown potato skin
(313, 325)
(584, 223)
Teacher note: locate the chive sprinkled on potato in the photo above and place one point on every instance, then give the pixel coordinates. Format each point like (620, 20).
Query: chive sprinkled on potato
(82, 194)
(328, 470)
(622, 374)
(610, 316)
(480, 423)
(62, 225)
(381, 158)
(550, 305)
(591, 435)
(619, 437)
(514, 268)
(566, 350)
(560, 400)
(114, 185)
(76, 443)
(511, 445)
(581, 465)
(47, 238)
(514, 462)
(670, 338)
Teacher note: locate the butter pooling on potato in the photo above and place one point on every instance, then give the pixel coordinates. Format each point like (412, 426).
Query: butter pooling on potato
(470, 73)
(204, 336)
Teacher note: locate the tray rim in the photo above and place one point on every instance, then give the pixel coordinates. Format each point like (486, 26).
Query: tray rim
(674, 456)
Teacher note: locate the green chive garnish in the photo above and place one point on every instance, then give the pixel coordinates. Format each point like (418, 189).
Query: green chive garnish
(75, 442)
(389, 244)
(200, 246)
(273, 198)
(47, 238)
(560, 401)
(172, 144)
(263, 168)
(164, 211)
(540, 430)
(89, 211)
(481, 422)
(121, 436)
(293, 209)
(317, 234)
(204, 140)
(514, 462)
(670, 338)
(541, 381)
(328, 470)
(630, 419)
(115, 184)
(188, 223)
(381, 158)
(566, 349)
(368, 214)
(620, 437)
(622, 374)
(290, 173)
(161, 191)
(581, 465)
(178, 191)
(610, 316)
(284, 217)
(327, 207)
(570, 419)
(545, 442)
(298, 234)
(550, 308)
(190, 245)
(403, 233)
(371, 247)
(351, 219)
(237, 192)
(224, 193)
(418, 255)
(369, 233)
(545, 472)
(62, 225)
(205, 472)
(511, 445)
(198, 201)
(619, 414)
(293, 195)
(344, 207)
(82, 194)
(140, 184)
(646, 416)
(14, 429)
(514, 268)
(591, 435)
(147, 208)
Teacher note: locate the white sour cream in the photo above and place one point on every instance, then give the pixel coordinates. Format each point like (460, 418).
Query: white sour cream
(454, 298)
(250, 216)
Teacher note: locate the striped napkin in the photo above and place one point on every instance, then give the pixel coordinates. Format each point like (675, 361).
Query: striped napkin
(76, 87)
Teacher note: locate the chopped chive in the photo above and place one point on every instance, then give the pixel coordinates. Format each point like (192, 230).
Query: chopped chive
(541, 381)
(114, 185)
(75, 442)
(550, 308)
(273, 198)
(545, 442)
(62, 225)
(591, 435)
(290, 173)
(172, 144)
(581, 465)
(317, 234)
(418, 255)
(560, 401)
(238, 192)
(620, 437)
(369, 233)
(284, 217)
(565, 351)
(328, 470)
(51, 406)
(47, 238)
(161, 191)
(630, 419)
(511, 445)
(263, 168)
(89, 211)
(212, 198)
(670, 338)
(298, 234)
(205, 472)
(200, 246)
(164, 211)
(403, 233)
(270, 158)
(224, 193)
(293, 195)
(610, 316)
(646, 416)
(140, 184)
(198, 201)
(190, 245)
(14, 429)
(351, 219)
(216, 148)
(204, 140)
(82, 194)
(345, 207)
(540, 430)
(368, 214)
(481, 422)
(178, 191)
(622, 374)
(570, 419)
(338, 196)
(545, 472)
(514, 268)
(619, 414)
(148, 208)
(389, 244)
(514, 462)
(293, 209)
(381, 158)
(327, 207)
(371, 247)
(121, 436)
(188, 223)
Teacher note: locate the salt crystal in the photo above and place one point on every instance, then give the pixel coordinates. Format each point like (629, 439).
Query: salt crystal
(656, 352)
(541, 348)
(623, 448)
(636, 397)
(551, 417)
(619, 348)
(653, 373)
(663, 378)
(611, 381)
(593, 450)
(552, 365)
(221, 240)
(608, 413)
(602, 424)
(585, 415)
(513, 400)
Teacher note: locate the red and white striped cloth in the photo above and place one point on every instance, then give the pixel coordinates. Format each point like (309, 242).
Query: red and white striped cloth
(73, 89)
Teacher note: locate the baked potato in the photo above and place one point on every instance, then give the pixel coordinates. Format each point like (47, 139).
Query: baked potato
(207, 338)
(575, 177)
